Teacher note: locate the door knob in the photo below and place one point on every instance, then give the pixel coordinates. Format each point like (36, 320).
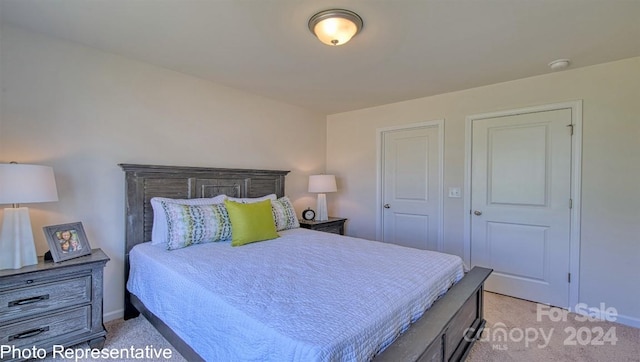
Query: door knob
(477, 212)
(387, 206)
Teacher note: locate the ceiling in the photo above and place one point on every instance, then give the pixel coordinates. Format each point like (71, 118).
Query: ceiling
(407, 48)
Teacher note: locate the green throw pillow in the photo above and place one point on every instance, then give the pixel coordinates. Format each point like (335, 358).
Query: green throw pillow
(250, 222)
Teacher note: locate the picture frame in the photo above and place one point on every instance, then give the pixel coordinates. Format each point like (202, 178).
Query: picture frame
(67, 241)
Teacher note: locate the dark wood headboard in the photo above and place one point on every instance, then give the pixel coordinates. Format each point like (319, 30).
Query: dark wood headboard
(179, 182)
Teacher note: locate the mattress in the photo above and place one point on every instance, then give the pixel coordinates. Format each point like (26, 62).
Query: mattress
(305, 296)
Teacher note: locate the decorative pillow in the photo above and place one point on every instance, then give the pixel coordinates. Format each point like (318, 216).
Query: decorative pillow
(284, 214)
(159, 228)
(250, 200)
(250, 222)
(195, 224)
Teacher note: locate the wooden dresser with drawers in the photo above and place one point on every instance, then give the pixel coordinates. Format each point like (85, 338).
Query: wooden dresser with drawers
(51, 304)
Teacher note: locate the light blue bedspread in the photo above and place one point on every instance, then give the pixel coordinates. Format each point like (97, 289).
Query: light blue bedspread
(306, 296)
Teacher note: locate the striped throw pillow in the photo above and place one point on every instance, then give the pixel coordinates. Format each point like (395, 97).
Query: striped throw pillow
(195, 224)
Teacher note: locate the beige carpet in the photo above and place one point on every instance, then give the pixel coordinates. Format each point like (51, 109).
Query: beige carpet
(515, 317)
(137, 333)
(518, 318)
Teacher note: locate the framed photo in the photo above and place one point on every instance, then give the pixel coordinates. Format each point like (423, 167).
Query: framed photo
(67, 241)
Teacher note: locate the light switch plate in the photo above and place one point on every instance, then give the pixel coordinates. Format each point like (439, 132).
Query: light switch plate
(455, 192)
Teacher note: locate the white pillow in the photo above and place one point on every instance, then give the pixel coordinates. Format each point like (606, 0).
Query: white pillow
(160, 229)
(251, 200)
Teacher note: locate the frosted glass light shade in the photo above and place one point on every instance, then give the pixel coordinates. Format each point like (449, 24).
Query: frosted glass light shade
(23, 184)
(336, 26)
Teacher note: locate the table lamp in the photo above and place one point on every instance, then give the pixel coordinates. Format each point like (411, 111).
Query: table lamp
(322, 184)
(21, 184)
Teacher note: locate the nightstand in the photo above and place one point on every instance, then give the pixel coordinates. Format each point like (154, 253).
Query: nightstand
(333, 225)
(51, 303)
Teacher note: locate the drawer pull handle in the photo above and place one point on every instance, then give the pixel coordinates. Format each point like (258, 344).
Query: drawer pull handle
(30, 333)
(28, 300)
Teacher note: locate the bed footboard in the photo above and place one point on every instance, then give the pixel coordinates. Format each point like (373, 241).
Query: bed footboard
(448, 330)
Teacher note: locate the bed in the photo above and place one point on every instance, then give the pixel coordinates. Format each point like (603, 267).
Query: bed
(446, 331)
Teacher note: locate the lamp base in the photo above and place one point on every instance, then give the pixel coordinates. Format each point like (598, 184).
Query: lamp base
(17, 248)
(322, 214)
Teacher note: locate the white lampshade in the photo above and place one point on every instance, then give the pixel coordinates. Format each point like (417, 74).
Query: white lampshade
(21, 184)
(322, 183)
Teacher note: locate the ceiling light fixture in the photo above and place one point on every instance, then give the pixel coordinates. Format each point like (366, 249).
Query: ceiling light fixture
(335, 26)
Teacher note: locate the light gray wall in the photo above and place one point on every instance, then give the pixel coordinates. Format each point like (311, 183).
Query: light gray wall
(610, 245)
(83, 111)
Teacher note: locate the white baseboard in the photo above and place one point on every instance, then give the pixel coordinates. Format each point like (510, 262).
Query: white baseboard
(628, 321)
(622, 319)
(116, 314)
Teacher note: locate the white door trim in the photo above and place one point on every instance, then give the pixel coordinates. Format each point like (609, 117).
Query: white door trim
(380, 173)
(576, 181)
